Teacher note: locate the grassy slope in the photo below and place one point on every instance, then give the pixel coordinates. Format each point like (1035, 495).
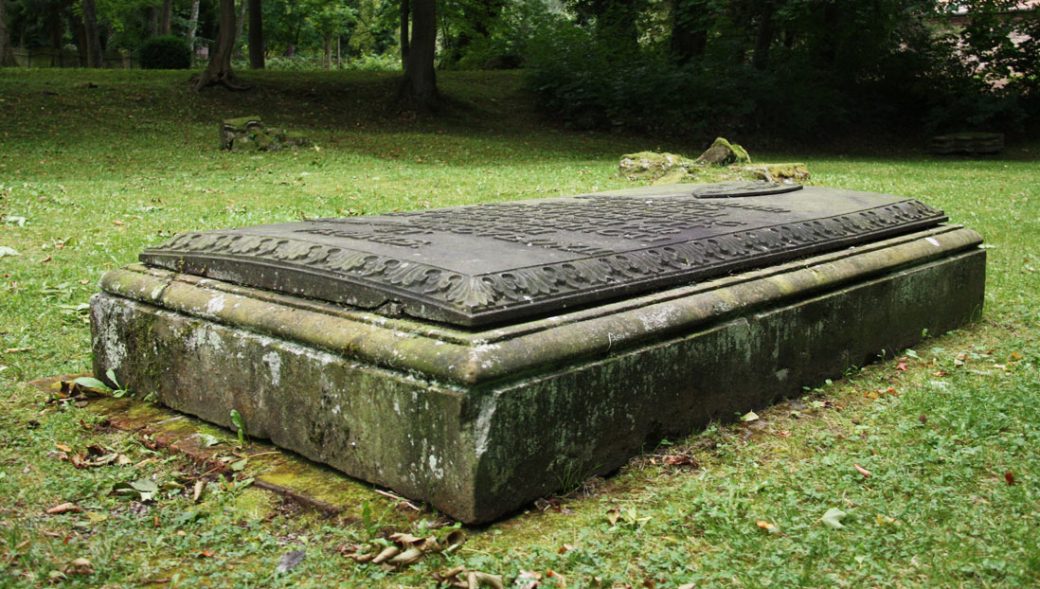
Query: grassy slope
(99, 173)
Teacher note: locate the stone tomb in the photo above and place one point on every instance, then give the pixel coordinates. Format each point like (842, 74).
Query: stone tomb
(480, 357)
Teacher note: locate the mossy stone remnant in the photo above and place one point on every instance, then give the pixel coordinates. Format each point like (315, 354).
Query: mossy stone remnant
(797, 172)
(724, 153)
(654, 166)
(249, 133)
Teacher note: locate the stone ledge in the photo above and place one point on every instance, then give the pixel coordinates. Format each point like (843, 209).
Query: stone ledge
(480, 423)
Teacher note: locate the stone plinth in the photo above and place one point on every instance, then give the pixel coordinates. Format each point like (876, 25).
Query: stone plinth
(479, 420)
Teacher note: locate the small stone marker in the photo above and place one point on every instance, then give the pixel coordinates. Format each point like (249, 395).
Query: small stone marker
(479, 357)
(972, 143)
(249, 133)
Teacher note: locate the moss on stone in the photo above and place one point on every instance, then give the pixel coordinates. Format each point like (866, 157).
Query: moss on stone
(724, 153)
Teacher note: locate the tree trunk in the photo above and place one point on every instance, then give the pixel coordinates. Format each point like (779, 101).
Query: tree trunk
(6, 56)
(420, 78)
(93, 38)
(326, 60)
(166, 18)
(764, 37)
(152, 16)
(256, 35)
(691, 20)
(406, 14)
(240, 25)
(219, 69)
(193, 26)
(75, 26)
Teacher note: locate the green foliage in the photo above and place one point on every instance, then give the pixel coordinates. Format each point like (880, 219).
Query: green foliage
(788, 68)
(165, 53)
(240, 426)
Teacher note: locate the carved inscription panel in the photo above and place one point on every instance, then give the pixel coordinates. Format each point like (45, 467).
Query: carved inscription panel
(486, 264)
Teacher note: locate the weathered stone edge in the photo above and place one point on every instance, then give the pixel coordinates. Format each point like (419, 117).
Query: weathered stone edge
(392, 345)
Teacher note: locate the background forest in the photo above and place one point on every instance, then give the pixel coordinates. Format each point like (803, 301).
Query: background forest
(674, 67)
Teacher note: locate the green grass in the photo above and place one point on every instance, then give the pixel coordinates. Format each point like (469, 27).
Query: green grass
(99, 173)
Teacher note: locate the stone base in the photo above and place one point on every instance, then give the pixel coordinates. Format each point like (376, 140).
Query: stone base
(480, 423)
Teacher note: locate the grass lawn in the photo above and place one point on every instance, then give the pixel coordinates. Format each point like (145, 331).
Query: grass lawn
(89, 176)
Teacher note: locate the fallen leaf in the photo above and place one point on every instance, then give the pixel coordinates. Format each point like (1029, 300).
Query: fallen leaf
(884, 520)
(1009, 477)
(763, 524)
(833, 517)
(407, 557)
(528, 580)
(80, 566)
(64, 508)
(901, 366)
(197, 491)
(8, 251)
(208, 440)
(92, 384)
(749, 416)
(477, 579)
(613, 515)
(206, 554)
(680, 460)
(386, 554)
(866, 473)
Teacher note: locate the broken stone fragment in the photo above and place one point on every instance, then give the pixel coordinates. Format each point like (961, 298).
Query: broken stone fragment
(249, 133)
(724, 153)
(651, 165)
(797, 172)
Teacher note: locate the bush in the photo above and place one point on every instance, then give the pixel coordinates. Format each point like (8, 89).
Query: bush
(165, 53)
(926, 82)
(588, 84)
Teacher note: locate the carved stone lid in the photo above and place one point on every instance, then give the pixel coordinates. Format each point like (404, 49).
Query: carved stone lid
(494, 263)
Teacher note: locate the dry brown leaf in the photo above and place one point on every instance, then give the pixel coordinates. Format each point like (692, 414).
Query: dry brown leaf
(64, 508)
(404, 538)
(866, 473)
(386, 554)
(407, 557)
(613, 515)
(80, 566)
(765, 525)
(477, 579)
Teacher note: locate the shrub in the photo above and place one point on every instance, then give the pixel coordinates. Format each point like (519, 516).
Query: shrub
(165, 53)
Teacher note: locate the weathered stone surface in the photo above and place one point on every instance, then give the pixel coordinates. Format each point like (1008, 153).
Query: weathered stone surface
(487, 264)
(481, 421)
